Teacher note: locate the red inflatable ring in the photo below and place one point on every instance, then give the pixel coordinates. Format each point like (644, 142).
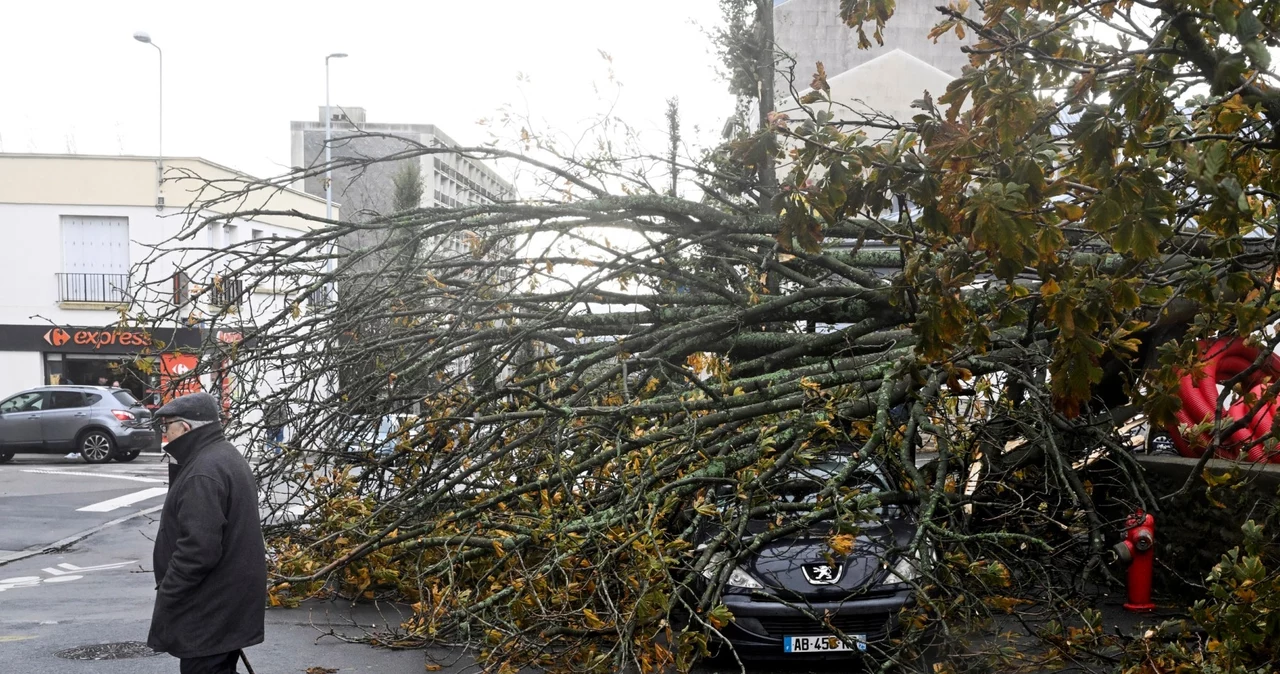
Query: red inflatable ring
(1224, 359)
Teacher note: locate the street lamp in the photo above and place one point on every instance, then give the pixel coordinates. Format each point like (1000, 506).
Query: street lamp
(143, 37)
(328, 138)
(328, 172)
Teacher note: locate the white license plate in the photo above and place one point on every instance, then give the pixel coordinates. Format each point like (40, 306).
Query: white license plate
(826, 643)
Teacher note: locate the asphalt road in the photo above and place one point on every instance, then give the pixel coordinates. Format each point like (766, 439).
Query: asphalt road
(100, 589)
(97, 586)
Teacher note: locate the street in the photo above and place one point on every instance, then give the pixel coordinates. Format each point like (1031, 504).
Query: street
(97, 588)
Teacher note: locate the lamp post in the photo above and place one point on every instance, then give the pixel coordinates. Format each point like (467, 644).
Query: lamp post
(328, 137)
(328, 173)
(143, 37)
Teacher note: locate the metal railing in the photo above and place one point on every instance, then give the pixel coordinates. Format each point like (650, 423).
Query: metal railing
(225, 291)
(320, 297)
(105, 288)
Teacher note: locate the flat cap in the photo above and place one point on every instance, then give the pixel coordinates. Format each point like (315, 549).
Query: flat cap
(191, 407)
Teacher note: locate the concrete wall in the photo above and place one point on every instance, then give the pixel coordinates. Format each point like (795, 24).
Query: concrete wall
(131, 181)
(366, 192)
(812, 31)
(19, 370)
(886, 85)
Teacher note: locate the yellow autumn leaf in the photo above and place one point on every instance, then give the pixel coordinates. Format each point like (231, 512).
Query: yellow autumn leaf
(593, 620)
(841, 544)
(1068, 211)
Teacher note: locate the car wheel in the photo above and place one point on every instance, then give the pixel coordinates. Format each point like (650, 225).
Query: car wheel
(127, 456)
(96, 447)
(6, 457)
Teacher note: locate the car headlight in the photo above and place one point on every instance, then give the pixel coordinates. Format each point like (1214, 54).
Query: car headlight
(904, 571)
(738, 578)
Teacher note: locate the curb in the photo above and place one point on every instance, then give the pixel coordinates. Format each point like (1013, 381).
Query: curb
(32, 552)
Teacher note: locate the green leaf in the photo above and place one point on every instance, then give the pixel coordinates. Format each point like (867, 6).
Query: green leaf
(1138, 237)
(1258, 54)
(1212, 159)
(720, 616)
(1074, 372)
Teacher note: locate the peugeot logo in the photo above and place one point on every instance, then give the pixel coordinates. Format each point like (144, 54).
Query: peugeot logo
(822, 573)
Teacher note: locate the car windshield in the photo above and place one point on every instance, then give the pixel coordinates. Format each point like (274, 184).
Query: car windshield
(125, 398)
(803, 484)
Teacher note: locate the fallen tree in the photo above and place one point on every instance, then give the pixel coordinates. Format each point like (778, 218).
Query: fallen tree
(977, 298)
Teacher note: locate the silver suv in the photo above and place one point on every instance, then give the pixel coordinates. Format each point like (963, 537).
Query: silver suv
(99, 422)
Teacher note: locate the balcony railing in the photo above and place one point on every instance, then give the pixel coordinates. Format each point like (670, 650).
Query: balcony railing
(320, 297)
(97, 288)
(225, 291)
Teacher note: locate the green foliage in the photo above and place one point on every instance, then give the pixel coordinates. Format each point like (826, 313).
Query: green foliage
(408, 187)
(1238, 623)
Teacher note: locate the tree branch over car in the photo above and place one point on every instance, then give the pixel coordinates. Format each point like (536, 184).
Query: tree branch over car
(587, 381)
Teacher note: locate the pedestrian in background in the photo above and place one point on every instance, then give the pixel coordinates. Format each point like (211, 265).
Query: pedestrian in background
(209, 559)
(274, 419)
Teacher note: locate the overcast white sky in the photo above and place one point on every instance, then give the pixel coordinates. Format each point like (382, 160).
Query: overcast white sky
(236, 72)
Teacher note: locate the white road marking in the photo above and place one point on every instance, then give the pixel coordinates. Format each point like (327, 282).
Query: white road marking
(110, 475)
(122, 501)
(59, 576)
(100, 567)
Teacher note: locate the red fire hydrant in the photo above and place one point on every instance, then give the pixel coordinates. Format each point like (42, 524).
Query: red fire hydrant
(1138, 551)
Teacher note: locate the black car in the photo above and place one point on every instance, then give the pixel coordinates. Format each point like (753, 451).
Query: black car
(791, 596)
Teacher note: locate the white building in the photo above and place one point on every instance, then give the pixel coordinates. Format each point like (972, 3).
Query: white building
(76, 230)
(884, 78)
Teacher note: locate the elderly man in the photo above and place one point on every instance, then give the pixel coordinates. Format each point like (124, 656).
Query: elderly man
(210, 562)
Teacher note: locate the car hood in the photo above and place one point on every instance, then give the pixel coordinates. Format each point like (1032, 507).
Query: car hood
(805, 566)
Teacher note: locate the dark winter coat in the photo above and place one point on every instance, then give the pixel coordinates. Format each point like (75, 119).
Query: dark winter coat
(210, 561)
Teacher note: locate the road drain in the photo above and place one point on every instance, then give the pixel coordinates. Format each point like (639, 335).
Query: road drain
(117, 651)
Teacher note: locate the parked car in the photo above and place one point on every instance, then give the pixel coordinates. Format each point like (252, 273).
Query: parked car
(860, 593)
(99, 422)
(374, 439)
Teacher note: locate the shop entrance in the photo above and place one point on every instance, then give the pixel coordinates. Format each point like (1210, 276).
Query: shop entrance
(101, 370)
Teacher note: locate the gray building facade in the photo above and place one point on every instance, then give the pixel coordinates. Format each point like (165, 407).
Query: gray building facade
(366, 192)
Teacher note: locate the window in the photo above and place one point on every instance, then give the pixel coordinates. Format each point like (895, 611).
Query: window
(95, 259)
(320, 297)
(125, 398)
(181, 288)
(230, 235)
(65, 400)
(91, 399)
(24, 402)
(256, 234)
